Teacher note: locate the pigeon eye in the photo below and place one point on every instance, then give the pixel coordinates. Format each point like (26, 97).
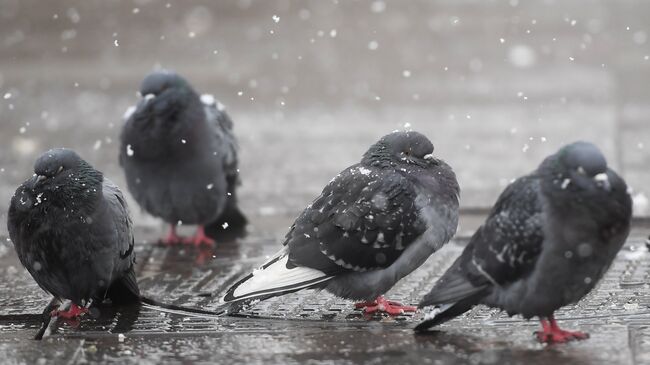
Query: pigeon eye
(581, 170)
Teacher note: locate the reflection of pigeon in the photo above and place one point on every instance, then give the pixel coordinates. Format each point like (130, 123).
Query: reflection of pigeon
(373, 224)
(179, 155)
(548, 240)
(72, 232)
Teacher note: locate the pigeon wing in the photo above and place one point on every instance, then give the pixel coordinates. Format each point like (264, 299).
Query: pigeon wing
(120, 234)
(503, 250)
(363, 220)
(225, 145)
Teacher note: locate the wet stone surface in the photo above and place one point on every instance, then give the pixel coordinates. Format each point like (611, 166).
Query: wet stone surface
(314, 327)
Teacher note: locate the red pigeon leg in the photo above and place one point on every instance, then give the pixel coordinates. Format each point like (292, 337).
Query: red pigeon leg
(75, 311)
(381, 304)
(200, 238)
(551, 333)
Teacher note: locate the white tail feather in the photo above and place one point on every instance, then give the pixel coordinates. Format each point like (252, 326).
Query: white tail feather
(437, 310)
(274, 278)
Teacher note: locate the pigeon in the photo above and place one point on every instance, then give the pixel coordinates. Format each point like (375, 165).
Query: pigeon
(71, 229)
(179, 155)
(547, 241)
(372, 225)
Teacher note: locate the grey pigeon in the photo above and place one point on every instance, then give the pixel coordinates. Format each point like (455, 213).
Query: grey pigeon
(72, 232)
(372, 225)
(547, 241)
(179, 155)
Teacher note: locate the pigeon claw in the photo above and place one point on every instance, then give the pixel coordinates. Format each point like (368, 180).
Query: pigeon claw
(560, 336)
(74, 312)
(551, 333)
(200, 239)
(382, 305)
(172, 238)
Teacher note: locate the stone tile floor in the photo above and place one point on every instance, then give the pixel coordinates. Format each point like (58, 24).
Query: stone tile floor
(312, 327)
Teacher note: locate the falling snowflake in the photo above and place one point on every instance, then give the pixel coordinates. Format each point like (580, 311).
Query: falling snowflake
(566, 183)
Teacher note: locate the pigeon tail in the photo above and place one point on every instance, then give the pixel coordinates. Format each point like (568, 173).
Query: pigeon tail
(179, 309)
(272, 279)
(444, 312)
(125, 289)
(452, 295)
(453, 287)
(230, 225)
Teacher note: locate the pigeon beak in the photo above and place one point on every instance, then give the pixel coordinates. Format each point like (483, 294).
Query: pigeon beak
(602, 181)
(149, 97)
(429, 157)
(40, 178)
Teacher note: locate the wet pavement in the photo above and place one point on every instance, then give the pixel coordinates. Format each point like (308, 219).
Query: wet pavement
(314, 327)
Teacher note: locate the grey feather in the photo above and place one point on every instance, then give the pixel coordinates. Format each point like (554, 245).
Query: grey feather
(548, 240)
(179, 153)
(72, 231)
(378, 220)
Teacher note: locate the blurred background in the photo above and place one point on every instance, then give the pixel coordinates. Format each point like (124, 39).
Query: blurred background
(496, 85)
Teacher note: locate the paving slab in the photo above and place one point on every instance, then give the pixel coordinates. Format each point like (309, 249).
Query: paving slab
(315, 327)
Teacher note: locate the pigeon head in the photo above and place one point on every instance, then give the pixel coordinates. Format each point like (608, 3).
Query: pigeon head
(168, 101)
(582, 166)
(402, 147)
(158, 82)
(55, 161)
(61, 177)
(169, 112)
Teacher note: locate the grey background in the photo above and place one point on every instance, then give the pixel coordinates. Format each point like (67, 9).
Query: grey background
(496, 85)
